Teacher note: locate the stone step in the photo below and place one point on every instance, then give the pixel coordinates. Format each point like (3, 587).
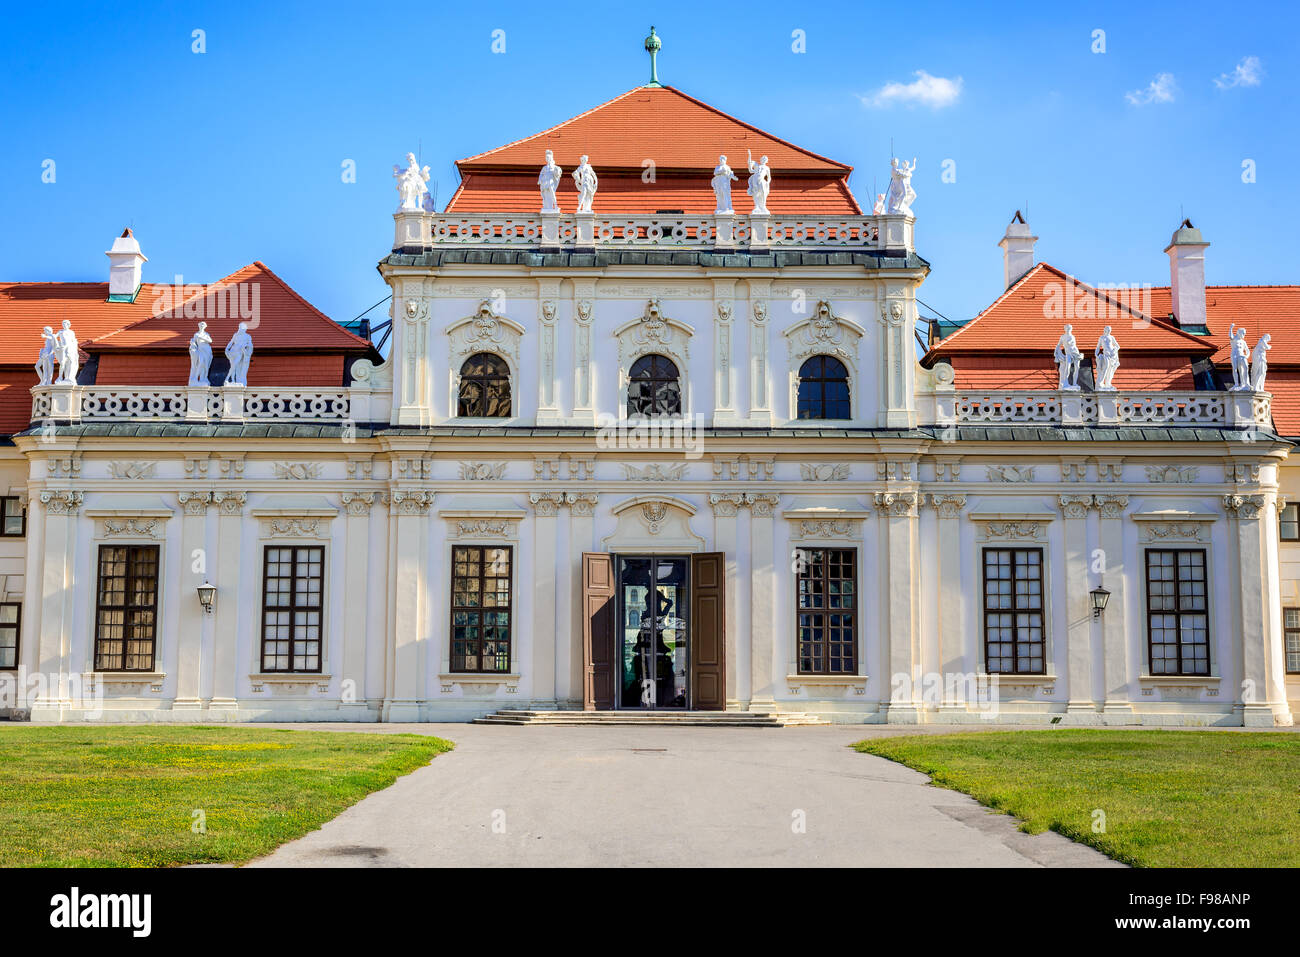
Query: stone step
(733, 719)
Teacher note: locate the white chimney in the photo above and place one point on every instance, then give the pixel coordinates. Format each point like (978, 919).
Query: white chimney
(1187, 274)
(125, 260)
(1017, 250)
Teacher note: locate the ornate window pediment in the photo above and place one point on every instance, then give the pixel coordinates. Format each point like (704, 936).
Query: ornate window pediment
(653, 332)
(485, 331)
(827, 334)
(654, 523)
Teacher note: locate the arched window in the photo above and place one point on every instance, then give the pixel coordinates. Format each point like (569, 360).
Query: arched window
(484, 387)
(654, 387)
(823, 389)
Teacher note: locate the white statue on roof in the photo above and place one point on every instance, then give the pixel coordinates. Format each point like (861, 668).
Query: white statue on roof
(65, 351)
(879, 208)
(1107, 356)
(723, 177)
(584, 177)
(1068, 357)
(411, 184)
(901, 194)
(239, 350)
(548, 180)
(1239, 351)
(200, 355)
(1259, 363)
(760, 182)
(45, 358)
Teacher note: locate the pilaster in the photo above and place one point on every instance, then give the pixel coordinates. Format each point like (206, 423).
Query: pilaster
(409, 523)
(193, 625)
(230, 607)
(726, 537)
(900, 598)
(1114, 621)
(949, 596)
(1079, 622)
(762, 636)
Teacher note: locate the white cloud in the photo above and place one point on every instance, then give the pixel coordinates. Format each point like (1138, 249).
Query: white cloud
(935, 92)
(1159, 90)
(1245, 73)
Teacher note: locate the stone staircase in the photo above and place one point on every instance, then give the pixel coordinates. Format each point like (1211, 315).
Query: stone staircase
(665, 718)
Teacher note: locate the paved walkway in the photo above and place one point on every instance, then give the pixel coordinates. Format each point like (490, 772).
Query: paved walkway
(667, 797)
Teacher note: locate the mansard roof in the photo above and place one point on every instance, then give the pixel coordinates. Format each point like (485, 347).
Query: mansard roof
(680, 135)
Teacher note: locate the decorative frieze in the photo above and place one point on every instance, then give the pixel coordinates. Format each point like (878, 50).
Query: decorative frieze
(299, 471)
(68, 466)
(824, 473)
(361, 468)
(1010, 473)
(413, 469)
(1173, 474)
(482, 471)
(132, 471)
(131, 528)
(891, 470)
(655, 472)
(947, 469)
(1110, 471)
(291, 527)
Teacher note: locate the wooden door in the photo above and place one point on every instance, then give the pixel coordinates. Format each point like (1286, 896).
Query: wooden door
(599, 627)
(709, 631)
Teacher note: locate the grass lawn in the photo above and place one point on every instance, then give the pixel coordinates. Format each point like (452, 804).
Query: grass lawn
(1171, 798)
(126, 796)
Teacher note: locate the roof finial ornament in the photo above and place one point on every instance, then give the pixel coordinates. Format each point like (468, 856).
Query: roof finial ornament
(653, 46)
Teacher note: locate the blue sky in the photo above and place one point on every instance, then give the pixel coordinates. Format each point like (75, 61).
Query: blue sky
(235, 154)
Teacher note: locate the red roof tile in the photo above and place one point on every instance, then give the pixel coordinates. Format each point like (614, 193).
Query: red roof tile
(282, 320)
(625, 132)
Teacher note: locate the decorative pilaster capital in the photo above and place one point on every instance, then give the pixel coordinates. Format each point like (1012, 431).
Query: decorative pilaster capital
(1247, 507)
(62, 501)
(949, 506)
(726, 504)
(358, 503)
(1075, 506)
(231, 502)
(897, 504)
(1111, 506)
(195, 503)
(762, 504)
(582, 503)
(412, 501)
(546, 503)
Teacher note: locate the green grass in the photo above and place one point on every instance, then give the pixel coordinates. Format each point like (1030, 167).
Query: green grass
(126, 796)
(1171, 798)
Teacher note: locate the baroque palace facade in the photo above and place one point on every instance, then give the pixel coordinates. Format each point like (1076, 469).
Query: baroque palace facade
(648, 448)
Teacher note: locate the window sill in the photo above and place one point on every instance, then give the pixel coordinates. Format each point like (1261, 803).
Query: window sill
(154, 679)
(1009, 681)
(797, 683)
(1180, 686)
(476, 682)
(285, 679)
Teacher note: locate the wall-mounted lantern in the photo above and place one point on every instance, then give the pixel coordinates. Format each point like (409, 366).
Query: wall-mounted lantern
(207, 595)
(1099, 598)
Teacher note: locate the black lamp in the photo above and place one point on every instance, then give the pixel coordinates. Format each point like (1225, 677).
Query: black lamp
(207, 595)
(1099, 598)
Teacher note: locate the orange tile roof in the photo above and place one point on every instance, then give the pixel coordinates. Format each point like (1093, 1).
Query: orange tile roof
(1030, 316)
(26, 307)
(1260, 309)
(285, 320)
(623, 133)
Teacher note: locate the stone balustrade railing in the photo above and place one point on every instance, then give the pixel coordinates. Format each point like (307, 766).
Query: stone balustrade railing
(1049, 407)
(419, 229)
(71, 403)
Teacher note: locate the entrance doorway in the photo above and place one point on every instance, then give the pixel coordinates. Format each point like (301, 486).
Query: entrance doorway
(654, 631)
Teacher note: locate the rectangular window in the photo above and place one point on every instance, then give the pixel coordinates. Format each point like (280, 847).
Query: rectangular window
(1291, 629)
(292, 580)
(11, 617)
(1289, 521)
(126, 608)
(13, 517)
(1178, 617)
(480, 608)
(827, 612)
(1014, 642)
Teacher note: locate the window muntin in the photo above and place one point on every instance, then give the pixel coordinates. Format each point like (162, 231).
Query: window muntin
(11, 618)
(654, 387)
(827, 611)
(484, 387)
(126, 608)
(480, 608)
(1291, 631)
(1014, 640)
(13, 517)
(1178, 618)
(1289, 523)
(823, 389)
(292, 586)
